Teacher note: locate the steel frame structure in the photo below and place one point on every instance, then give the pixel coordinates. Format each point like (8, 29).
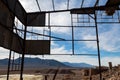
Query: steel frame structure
(92, 13)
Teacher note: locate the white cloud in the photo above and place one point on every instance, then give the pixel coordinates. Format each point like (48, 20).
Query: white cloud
(109, 40)
(74, 59)
(30, 6)
(115, 60)
(56, 18)
(54, 44)
(60, 50)
(57, 49)
(3, 53)
(61, 19)
(61, 5)
(45, 5)
(90, 44)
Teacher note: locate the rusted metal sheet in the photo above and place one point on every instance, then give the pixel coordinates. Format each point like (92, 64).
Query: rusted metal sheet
(112, 2)
(17, 44)
(114, 6)
(15, 7)
(83, 11)
(13, 42)
(20, 13)
(7, 37)
(36, 19)
(6, 17)
(10, 40)
(37, 47)
(28, 19)
(1, 36)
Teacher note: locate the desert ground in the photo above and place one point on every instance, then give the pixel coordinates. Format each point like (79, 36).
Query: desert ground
(26, 77)
(64, 74)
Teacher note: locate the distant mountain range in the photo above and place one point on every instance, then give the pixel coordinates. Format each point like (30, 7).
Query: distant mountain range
(46, 63)
(79, 65)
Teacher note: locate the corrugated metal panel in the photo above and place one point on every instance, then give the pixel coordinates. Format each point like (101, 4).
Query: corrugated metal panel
(36, 19)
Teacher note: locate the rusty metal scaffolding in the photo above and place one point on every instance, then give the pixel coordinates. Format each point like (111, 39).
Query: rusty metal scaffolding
(91, 17)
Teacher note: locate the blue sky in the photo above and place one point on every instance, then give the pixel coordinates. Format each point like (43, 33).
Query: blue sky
(108, 35)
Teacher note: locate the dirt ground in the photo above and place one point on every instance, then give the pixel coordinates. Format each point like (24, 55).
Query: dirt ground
(26, 77)
(41, 74)
(62, 74)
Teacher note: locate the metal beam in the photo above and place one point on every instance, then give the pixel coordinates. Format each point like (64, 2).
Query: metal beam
(82, 3)
(68, 1)
(97, 8)
(9, 62)
(23, 55)
(62, 26)
(74, 54)
(72, 34)
(42, 34)
(98, 47)
(17, 9)
(97, 2)
(53, 4)
(38, 5)
(90, 10)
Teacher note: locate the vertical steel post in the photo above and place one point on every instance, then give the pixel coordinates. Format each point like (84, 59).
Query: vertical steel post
(68, 1)
(8, 70)
(72, 34)
(53, 5)
(23, 54)
(19, 63)
(49, 29)
(10, 53)
(98, 46)
(82, 4)
(13, 62)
